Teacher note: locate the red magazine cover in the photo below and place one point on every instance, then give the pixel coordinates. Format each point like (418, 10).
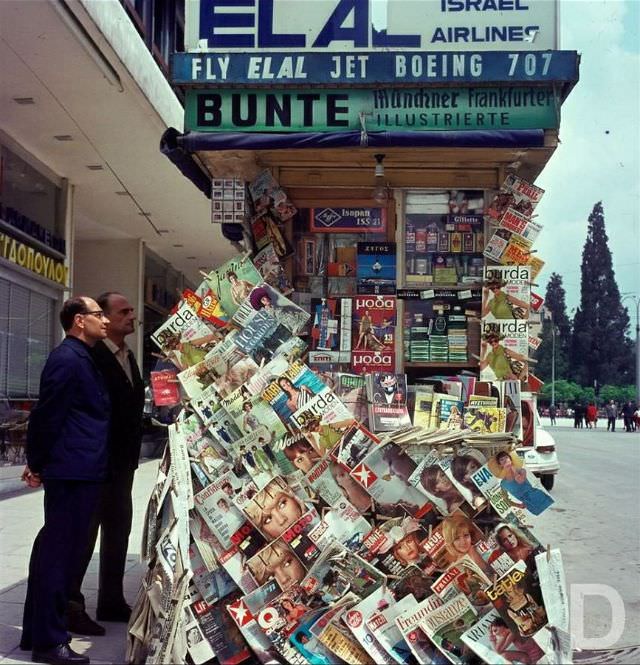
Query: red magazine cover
(165, 388)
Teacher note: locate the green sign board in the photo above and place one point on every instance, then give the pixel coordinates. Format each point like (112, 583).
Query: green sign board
(411, 109)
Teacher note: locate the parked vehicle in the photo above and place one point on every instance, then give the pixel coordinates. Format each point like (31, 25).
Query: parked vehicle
(541, 459)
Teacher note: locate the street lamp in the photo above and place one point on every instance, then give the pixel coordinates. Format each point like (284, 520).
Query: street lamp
(636, 299)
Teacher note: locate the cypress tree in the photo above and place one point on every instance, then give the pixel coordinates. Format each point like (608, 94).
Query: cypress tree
(556, 309)
(600, 350)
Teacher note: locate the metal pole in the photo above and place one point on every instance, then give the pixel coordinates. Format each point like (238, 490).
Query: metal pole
(637, 352)
(636, 300)
(553, 362)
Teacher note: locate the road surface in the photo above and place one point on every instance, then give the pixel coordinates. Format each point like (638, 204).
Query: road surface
(596, 523)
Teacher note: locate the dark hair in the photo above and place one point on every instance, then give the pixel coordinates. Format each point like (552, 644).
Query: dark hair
(501, 455)
(70, 308)
(499, 621)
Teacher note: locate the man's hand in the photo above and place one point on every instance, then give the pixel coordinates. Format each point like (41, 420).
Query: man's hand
(32, 479)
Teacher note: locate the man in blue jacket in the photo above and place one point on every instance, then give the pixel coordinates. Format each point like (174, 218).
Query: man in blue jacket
(67, 453)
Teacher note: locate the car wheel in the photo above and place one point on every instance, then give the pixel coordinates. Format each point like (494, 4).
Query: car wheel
(547, 481)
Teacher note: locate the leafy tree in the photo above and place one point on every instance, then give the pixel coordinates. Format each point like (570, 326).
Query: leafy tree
(566, 391)
(619, 394)
(600, 350)
(555, 312)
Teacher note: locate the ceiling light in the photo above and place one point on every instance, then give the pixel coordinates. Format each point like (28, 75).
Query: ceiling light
(122, 193)
(63, 137)
(380, 193)
(144, 214)
(163, 231)
(95, 167)
(191, 258)
(178, 245)
(24, 101)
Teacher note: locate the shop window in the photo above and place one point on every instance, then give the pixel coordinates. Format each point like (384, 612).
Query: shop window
(26, 338)
(27, 194)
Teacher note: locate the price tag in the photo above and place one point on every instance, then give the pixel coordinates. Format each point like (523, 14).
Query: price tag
(427, 295)
(464, 295)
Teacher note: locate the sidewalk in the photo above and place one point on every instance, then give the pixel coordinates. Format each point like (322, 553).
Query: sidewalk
(20, 520)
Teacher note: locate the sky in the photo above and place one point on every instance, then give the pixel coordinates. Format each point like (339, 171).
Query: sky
(599, 155)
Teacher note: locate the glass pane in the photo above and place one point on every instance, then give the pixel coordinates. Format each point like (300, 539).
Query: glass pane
(18, 344)
(39, 340)
(5, 287)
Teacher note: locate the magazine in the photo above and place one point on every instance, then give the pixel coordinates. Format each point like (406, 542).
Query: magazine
(410, 628)
(506, 293)
(184, 337)
(165, 388)
(354, 446)
(514, 221)
(293, 391)
(264, 298)
(436, 482)
(467, 578)
(323, 420)
(279, 618)
(270, 267)
(492, 641)
(357, 620)
(262, 337)
(268, 196)
(374, 321)
(376, 268)
(384, 474)
(216, 506)
(511, 403)
(450, 415)
(485, 420)
(330, 336)
(279, 562)
(518, 600)
(333, 633)
(517, 194)
(504, 351)
(383, 627)
(337, 571)
(387, 395)
(233, 281)
(445, 625)
(208, 306)
(505, 472)
(364, 362)
(352, 391)
(422, 408)
(221, 632)
(244, 612)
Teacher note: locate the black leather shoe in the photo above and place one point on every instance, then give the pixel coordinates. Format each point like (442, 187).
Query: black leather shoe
(63, 654)
(119, 613)
(80, 623)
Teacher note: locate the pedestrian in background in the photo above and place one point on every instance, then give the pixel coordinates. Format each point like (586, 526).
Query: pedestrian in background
(552, 414)
(612, 413)
(591, 415)
(114, 513)
(67, 453)
(578, 415)
(627, 415)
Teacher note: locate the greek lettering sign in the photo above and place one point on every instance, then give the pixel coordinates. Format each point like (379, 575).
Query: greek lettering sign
(31, 259)
(348, 220)
(424, 109)
(344, 25)
(362, 68)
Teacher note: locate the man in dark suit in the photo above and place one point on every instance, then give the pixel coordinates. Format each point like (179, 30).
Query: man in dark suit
(67, 453)
(115, 510)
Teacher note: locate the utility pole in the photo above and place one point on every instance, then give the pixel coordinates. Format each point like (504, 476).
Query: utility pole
(636, 300)
(553, 362)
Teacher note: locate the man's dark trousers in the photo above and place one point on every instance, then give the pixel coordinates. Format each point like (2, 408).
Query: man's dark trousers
(113, 516)
(68, 508)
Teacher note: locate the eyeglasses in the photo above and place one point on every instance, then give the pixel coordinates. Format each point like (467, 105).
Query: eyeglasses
(98, 314)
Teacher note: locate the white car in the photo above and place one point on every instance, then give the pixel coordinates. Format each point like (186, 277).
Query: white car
(541, 459)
